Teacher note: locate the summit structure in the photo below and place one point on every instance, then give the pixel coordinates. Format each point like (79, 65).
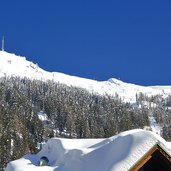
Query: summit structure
(3, 43)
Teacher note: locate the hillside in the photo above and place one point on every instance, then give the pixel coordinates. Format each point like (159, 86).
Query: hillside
(36, 105)
(12, 65)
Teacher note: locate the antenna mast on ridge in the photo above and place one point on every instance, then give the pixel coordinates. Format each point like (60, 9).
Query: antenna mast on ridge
(3, 43)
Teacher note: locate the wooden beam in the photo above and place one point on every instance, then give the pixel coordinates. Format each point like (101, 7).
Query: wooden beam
(144, 160)
(148, 156)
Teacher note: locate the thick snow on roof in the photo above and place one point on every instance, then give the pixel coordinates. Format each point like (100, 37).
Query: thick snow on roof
(117, 153)
(12, 65)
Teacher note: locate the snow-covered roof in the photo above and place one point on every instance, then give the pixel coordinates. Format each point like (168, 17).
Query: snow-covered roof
(117, 153)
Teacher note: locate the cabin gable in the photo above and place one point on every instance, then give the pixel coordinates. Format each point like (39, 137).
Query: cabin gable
(156, 159)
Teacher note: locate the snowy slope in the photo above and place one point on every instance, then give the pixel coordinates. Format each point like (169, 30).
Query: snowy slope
(117, 153)
(12, 65)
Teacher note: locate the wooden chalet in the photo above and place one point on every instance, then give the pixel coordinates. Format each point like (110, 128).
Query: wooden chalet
(156, 159)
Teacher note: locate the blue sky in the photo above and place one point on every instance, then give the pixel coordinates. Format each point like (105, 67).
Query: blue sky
(127, 39)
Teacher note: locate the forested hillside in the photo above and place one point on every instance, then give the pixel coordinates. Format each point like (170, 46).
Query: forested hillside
(72, 112)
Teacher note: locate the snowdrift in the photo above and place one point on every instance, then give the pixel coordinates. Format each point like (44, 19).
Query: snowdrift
(117, 153)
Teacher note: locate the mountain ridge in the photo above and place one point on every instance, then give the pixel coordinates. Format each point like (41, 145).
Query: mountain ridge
(13, 65)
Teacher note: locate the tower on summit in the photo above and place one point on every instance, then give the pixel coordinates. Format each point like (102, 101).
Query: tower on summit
(3, 43)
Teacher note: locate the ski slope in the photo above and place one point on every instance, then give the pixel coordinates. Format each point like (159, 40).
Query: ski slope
(13, 65)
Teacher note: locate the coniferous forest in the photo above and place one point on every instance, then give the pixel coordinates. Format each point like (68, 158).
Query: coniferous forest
(72, 112)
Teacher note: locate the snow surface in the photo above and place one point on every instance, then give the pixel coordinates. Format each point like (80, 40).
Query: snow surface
(155, 127)
(84, 155)
(117, 153)
(12, 65)
(42, 116)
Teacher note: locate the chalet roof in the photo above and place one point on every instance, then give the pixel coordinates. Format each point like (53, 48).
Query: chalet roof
(123, 150)
(117, 153)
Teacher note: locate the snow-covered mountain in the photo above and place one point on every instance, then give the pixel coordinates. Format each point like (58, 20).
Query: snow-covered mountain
(65, 154)
(12, 65)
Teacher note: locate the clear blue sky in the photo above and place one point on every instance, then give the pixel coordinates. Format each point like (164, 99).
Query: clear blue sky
(126, 39)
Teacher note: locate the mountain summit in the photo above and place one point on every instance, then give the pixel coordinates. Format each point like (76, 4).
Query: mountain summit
(13, 65)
